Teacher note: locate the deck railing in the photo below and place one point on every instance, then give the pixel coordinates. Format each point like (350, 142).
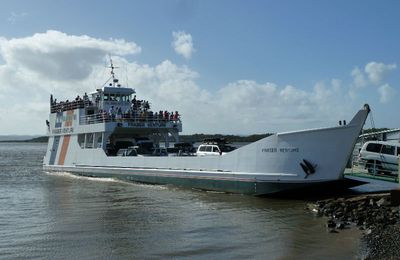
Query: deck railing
(371, 167)
(133, 120)
(71, 105)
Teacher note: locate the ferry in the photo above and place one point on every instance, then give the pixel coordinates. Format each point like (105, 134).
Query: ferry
(111, 133)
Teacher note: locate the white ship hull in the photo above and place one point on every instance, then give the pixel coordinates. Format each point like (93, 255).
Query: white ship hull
(270, 165)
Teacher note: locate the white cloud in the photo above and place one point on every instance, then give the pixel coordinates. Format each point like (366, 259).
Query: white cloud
(247, 106)
(183, 44)
(26, 117)
(50, 62)
(57, 56)
(386, 93)
(358, 78)
(376, 71)
(336, 84)
(373, 75)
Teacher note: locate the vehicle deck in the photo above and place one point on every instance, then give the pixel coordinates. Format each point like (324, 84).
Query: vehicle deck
(358, 173)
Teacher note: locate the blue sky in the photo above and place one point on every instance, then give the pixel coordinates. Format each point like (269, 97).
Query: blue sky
(304, 48)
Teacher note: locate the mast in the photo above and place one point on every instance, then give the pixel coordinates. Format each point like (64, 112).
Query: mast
(114, 79)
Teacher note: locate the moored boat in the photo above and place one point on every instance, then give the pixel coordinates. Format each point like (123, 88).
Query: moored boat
(111, 133)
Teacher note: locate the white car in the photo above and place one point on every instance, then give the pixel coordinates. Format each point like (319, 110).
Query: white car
(208, 149)
(380, 156)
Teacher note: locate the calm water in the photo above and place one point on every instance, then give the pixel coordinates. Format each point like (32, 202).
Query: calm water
(55, 216)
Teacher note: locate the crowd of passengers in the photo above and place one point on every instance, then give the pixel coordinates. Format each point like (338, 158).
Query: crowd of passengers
(138, 110)
(129, 114)
(79, 102)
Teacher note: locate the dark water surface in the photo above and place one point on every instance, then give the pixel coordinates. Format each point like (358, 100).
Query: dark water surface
(56, 216)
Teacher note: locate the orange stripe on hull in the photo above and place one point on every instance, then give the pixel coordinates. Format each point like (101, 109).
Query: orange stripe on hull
(64, 149)
(70, 114)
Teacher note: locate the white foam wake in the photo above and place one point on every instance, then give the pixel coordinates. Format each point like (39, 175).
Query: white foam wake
(73, 176)
(101, 179)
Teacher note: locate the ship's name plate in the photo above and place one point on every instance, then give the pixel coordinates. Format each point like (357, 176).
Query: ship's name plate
(65, 130)
(280, 150)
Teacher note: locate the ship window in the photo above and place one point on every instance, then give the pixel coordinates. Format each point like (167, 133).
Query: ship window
(398, 150)
(373, 147)
(81, 140)
(202, 148)
(388, 149)
(208, 148)
(106, 97)
(89, 140)
(215, 149)
(99, 138)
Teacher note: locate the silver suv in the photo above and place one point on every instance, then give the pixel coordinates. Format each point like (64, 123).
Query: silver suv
(380, 156)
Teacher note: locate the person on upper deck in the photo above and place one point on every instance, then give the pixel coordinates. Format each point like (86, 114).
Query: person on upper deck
(111, 111)
(146, 105)
(165, 114)
(176, 115)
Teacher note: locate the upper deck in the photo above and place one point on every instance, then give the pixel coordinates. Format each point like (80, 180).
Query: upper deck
(108, 107)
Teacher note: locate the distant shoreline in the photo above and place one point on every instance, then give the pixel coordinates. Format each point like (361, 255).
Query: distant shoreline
(41, 139)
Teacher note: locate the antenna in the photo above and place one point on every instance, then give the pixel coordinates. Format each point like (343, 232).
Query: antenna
(112, 67)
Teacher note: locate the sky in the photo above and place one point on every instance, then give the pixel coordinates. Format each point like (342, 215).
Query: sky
(227, 66)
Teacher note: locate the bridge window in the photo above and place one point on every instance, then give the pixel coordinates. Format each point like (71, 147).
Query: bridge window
(89, 140)
(93, 140)
(81, 140)
(99, 138)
